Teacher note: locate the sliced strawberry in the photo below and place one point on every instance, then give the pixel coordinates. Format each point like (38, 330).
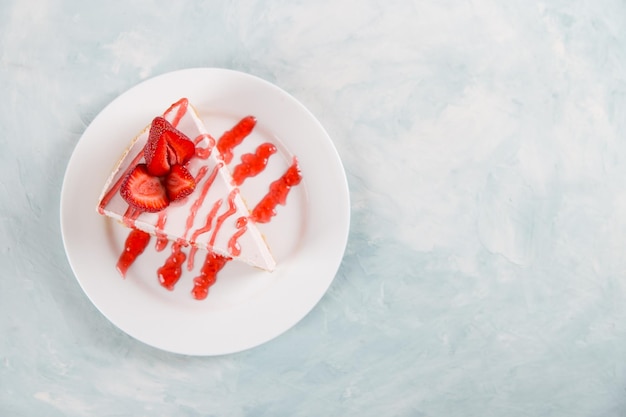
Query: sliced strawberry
(179, 183)
(144, 191)
(158, 163)
(166, 146)
(158, 126)
(179, 148)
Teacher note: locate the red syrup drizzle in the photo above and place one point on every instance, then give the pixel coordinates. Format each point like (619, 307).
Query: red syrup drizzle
(198, 232)
(196, 204)
(233, 246)
(208, 275)
(253, 163)
(130, 216)
(278, 191)
(234, 137)
(134, 246)
(218, 223)
(204, 153)
(222, 218)
(170, 272)
(183, 105)
(161, 237)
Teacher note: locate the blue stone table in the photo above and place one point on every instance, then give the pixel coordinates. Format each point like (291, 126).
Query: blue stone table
(485, 148)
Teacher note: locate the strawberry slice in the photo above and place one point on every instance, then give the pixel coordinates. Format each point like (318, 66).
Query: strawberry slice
(166, 146)
(144, 191)
(180, 147)
(156, 157)
(179, 183)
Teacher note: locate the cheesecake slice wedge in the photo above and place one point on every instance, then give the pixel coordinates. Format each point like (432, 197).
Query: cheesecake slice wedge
(172, 182)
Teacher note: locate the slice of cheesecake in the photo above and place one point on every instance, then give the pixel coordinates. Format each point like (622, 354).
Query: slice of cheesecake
(172, 182)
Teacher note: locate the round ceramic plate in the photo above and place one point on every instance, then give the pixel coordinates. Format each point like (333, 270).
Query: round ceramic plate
(245, 307)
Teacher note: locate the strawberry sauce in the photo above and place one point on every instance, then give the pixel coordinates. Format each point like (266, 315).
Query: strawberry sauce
(134, 246)
(204, 153)
(196, 204)
(203, 229)
(130, 216)
(170, 272)
(279, 189)
(234, 137)
(208, 275)
(253, 163)
(161, 237)
(183, 105)
(222, 218)
(233, 246)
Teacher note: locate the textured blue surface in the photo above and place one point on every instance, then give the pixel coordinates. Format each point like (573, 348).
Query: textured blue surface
(484, 144)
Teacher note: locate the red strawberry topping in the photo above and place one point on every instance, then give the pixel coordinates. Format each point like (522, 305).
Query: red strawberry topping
(144, 191)
(179, 183)
(166, 146)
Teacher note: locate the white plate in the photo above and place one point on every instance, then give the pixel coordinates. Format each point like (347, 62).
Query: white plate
(246, 307)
